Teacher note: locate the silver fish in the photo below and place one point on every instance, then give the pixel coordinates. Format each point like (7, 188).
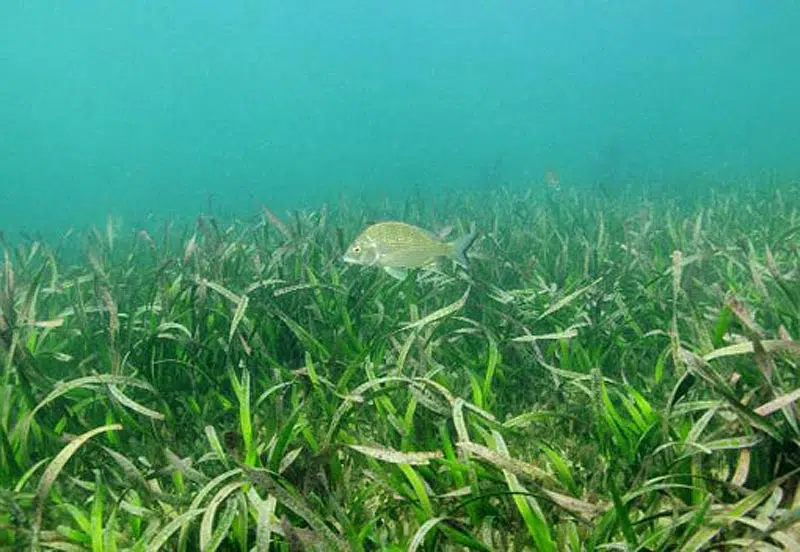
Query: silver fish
(397, 246)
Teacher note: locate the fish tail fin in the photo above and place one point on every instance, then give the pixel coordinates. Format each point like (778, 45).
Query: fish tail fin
(461, 245)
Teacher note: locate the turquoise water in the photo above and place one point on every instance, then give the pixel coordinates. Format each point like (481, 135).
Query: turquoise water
(153, 109)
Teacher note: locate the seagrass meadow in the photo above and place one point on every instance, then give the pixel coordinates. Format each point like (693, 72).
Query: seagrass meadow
(609, 374)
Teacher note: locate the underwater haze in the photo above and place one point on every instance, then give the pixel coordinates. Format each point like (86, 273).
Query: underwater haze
(168, 109)
(364, 276)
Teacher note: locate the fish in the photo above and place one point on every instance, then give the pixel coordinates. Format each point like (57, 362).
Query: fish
(397, 247)
(552, 179)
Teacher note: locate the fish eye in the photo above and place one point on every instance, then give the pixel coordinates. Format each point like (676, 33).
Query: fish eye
(356, 249)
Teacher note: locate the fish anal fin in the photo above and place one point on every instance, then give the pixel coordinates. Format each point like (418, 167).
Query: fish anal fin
(396, 272)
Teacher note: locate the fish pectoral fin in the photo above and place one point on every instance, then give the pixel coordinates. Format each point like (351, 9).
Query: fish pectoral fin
(395, 272)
